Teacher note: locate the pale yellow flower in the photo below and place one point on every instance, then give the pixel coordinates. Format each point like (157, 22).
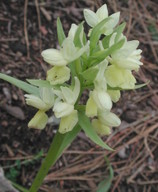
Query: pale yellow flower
(64, 106)
(99, 98)
(114, 94)
(58, 75)
(128, 57)
(93, 19)
(67, 123)
(100, 128)
(65, 55)
(44, 102)
(119, 77)
(39, 120)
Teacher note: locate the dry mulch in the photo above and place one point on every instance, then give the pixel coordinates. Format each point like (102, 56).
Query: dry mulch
(26, 28)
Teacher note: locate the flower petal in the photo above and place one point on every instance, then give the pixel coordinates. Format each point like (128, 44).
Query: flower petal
(47, 96)
(68, 49)
(54, 57)
(39, 120)
(79, 52)
(62, 109)
(100, 128)
(68, 95)
(115, 19)
(76, 89)
(109, 119)
(102, 12)
(67, 123)
(90, 17)
(114, 94)
(72, 31)
(36, 102)
(100, 81)
(91, 108)
(118, 77)
(58, 75)
(102, 99)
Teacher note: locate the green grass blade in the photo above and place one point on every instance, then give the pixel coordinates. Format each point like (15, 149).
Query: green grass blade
(19, 187)
(105, 185)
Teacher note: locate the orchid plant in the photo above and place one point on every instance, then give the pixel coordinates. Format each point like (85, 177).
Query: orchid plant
(102, 62)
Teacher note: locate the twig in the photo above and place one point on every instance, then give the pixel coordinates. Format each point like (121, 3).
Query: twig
(9, 39)
(39, 23)
(25, 29)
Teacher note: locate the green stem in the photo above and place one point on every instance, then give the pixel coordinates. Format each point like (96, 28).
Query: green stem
(60, 142)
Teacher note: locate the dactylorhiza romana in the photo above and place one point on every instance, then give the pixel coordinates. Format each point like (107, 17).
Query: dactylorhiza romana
(101, 61)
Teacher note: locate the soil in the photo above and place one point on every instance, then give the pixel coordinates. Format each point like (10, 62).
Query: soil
(82, 166)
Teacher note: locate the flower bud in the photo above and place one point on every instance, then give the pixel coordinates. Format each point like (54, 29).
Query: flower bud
(114, 94)
(100, 128)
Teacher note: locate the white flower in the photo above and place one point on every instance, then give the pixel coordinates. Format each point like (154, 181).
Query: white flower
(102, 13)
(128, 57)
(65, 55)
(100, 128)
(72, 31)
(105, 120)
(62, 109)
(99, 98)
(64, 105)
(44, 102)
(119, 77)
(108, 118)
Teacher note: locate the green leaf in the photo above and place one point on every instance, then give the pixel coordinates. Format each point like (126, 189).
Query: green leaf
(21, 84)
(101, 55)
(96, 33)
(59, 144)
(105, 185)
(90, 74)
(136, 87)
(119, 31)
(141, 85)
(39, 83)
(22, 189)
(105, 41)
(77, 39)
(60, 32)
(85, 124)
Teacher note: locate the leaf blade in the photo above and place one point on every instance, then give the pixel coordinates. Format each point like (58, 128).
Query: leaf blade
(20, 84)
(60, 32)
(86, 126)
(105, 185)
